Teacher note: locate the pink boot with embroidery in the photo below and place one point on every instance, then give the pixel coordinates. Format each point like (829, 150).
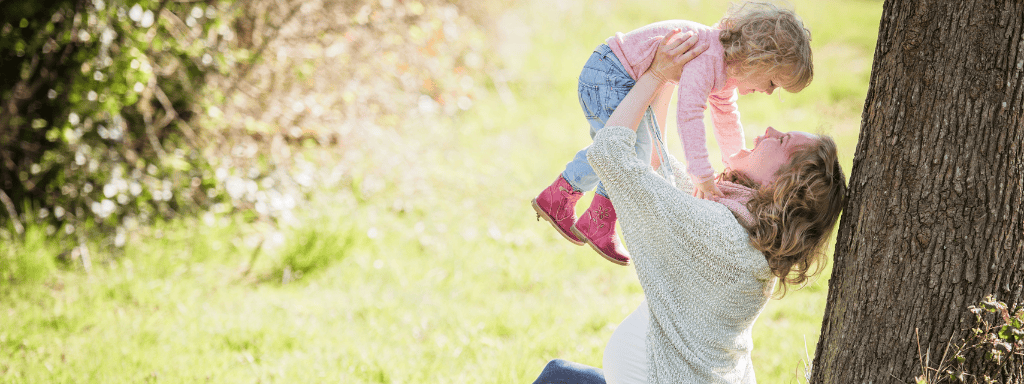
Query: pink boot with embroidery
(557, 205)
(597, 228)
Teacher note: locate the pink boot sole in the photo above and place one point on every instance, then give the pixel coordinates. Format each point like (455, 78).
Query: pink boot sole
(598, 250)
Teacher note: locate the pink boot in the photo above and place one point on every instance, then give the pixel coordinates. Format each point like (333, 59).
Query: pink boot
(557, 204)
(597, 228)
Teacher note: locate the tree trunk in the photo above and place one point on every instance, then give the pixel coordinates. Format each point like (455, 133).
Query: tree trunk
(935, 219)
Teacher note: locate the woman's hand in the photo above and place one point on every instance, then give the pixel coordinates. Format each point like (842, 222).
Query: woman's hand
(676, 49)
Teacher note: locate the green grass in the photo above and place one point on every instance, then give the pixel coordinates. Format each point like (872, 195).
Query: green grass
(428, 269)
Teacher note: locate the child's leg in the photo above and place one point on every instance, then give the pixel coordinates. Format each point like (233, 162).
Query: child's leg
(603, 84)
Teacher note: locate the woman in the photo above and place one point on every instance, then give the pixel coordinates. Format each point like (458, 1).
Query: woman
(707, 268)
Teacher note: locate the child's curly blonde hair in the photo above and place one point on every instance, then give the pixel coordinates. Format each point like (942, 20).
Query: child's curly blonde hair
(760, 37)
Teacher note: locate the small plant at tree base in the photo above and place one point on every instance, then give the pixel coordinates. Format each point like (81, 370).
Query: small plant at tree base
(998, 336)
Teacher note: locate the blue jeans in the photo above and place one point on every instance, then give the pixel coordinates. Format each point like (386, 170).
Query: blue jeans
(603, 84)
(559, 371)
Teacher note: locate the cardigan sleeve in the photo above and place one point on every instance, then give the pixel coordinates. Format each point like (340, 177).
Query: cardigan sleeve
(614, 161)
(683, 182)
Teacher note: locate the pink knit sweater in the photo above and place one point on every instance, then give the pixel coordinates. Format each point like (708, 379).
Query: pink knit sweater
(702, 82)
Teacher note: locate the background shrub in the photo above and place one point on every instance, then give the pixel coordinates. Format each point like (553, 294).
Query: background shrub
(98, 97)
(121, 112)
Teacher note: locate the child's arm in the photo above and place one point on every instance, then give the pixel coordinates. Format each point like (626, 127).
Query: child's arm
(707, 189)
(725, 116)
(695, 84)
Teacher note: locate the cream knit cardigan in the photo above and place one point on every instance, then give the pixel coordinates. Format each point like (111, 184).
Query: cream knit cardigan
(704, 282)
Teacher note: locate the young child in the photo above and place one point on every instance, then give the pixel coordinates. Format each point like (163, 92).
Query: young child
(756, 47)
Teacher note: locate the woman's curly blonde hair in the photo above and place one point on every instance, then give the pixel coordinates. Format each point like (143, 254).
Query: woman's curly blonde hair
(794, 215)
(760, 37)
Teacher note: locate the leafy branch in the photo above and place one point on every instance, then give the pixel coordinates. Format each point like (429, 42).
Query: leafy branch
(998, 338)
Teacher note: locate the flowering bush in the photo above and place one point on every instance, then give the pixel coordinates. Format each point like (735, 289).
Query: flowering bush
(118, 112)
(98, 99)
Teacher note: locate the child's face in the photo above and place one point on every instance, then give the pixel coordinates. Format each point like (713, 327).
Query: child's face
(771, 152)
(757, 82)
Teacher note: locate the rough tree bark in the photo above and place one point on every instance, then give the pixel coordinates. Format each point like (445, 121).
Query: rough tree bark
(935, 219)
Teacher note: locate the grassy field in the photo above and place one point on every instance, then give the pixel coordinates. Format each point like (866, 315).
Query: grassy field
(428, 266)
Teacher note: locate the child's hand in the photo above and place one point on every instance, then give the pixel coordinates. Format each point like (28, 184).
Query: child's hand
(707, 189)
(676, 49)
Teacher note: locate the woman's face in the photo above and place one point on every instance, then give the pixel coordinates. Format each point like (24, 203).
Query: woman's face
(771, 151)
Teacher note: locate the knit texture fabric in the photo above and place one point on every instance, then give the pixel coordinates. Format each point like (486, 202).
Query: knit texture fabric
(704, 282)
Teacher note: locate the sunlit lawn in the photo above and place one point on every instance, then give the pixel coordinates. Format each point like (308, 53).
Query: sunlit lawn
(429, 269)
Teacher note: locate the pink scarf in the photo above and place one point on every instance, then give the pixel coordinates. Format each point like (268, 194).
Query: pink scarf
(736, 198)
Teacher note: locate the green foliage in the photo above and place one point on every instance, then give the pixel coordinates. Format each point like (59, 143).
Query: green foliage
(98, 96)
(1001, 339)
(993, 352)
(314, 249)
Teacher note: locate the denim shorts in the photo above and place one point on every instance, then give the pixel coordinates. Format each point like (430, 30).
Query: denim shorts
(603, 84)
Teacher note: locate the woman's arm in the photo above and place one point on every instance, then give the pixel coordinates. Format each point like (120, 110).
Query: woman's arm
(673, 53)
(660, 105)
